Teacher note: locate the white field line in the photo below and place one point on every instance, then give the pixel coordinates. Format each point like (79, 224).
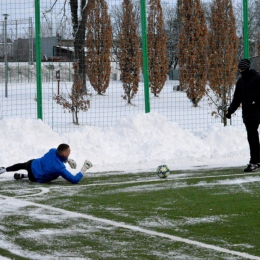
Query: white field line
(170, 178)
(158, 180)
(131, 227)
(45, 190)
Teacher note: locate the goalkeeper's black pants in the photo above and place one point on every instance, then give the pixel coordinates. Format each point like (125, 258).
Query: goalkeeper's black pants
(253, 140)
(22, 166)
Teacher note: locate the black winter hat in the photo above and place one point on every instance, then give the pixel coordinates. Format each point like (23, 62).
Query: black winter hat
(244, 64)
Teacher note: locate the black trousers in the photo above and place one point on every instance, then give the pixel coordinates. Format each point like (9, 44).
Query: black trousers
(22, 166)
(253, 140)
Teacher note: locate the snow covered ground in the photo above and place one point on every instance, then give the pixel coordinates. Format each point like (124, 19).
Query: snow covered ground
(139, 142)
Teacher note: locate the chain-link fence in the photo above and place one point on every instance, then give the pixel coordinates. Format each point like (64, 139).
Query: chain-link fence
(88, 73)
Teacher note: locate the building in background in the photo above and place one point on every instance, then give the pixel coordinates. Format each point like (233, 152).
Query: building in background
(52, 49)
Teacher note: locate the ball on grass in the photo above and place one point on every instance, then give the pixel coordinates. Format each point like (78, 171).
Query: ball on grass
(163, 171)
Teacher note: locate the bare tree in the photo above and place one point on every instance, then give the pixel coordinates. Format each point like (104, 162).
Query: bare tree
(172, 23)
(253, 25)
(79, 13)
(157, 54)
(116, 14)
(99, 44)
(223, 43)
(129, 52)
(64, 27)
(192, 51)
(75, 101)
(79, 10)
(206, 6)
(45, 30)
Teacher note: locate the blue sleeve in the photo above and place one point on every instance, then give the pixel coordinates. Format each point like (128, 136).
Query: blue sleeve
(74, 179)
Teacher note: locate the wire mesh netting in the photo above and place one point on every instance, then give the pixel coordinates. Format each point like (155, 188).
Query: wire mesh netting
(91, 69)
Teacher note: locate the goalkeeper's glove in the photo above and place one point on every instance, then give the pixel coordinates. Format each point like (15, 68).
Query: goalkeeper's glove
(87, 164)
(72, 163)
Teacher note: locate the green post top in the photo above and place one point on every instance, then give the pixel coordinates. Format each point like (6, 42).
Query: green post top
(38, 59)
(145, 56)
(245, 29)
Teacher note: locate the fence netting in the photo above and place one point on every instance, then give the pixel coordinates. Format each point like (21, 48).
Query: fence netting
(92, 63)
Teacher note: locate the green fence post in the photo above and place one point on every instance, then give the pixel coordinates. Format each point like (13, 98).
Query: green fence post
(145, 56)
(38, 58)
(245, 29)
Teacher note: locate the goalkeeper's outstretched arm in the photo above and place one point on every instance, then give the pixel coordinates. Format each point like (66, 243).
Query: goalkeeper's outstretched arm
(74, 179)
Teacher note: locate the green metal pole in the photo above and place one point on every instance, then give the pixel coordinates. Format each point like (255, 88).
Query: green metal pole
(145, 56)
(38, 58)
(245, 29)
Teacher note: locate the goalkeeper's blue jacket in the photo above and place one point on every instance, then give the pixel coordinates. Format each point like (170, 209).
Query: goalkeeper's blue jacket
(51, 166)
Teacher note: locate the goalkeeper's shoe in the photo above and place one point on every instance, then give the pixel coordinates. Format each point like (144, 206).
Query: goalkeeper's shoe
(18, 176)
(2, 170)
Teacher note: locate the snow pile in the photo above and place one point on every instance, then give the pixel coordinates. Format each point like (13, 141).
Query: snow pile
(137, 143)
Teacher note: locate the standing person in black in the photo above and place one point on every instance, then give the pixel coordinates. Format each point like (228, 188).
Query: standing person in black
(247, 92)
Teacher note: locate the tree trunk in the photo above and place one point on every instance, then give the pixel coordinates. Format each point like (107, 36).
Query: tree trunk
(79, 45)
(73, 115)
(76, 116)
(79, 33)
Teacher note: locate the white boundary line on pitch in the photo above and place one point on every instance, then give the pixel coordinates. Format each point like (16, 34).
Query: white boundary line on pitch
(46, 190)
(158, 180)
(133, 228)
(175, 177)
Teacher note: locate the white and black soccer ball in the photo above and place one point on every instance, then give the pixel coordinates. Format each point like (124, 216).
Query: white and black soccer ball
(163, 171)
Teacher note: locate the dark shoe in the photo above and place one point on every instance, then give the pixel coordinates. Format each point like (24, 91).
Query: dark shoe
(251, 167)
(18, 176)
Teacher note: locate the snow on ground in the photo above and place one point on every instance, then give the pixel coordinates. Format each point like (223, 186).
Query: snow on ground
(136, 143)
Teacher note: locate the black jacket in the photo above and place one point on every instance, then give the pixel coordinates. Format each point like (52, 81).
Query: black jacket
(247, 92)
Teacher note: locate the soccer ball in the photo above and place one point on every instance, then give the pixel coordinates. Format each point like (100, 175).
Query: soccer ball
(163, 171)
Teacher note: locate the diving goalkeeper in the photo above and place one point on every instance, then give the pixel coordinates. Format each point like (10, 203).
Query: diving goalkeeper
(49, 167)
